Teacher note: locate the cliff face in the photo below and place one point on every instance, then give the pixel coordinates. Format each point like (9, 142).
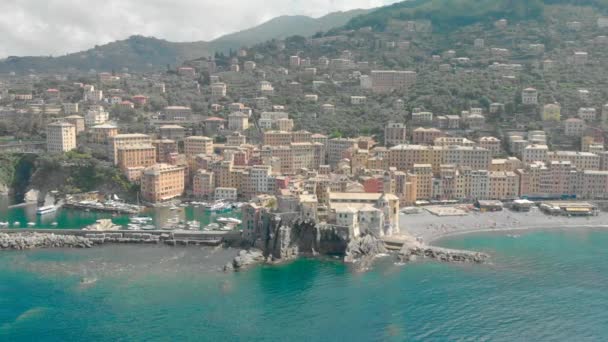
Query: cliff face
(283, 239)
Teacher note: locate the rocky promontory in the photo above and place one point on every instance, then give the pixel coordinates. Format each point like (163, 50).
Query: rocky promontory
(21, 241)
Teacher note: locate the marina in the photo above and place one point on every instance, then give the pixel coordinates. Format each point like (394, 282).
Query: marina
(192, 216)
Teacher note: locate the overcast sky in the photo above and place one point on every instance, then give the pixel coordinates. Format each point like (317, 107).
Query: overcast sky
(56, 27)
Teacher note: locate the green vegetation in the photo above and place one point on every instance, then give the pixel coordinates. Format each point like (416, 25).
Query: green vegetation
(282, 27)
(70, 173)
(447, 14)
(79, 172)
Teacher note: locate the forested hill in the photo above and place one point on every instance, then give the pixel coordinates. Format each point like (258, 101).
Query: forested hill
(447, 14)
(140, 53)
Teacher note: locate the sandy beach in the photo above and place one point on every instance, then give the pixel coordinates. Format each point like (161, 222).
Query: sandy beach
(430, 227)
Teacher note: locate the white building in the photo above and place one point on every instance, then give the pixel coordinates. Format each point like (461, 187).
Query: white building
(96, 116)
(226, 194)
(529, 96)
(60, 137)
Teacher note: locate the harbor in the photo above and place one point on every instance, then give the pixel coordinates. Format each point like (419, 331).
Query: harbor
(192, 216)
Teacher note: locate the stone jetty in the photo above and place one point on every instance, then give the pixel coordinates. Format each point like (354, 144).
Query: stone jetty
(66, 238)
(21, 241)
(413, 249)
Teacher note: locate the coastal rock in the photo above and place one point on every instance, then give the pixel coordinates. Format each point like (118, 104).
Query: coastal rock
(23, 241)
(244, 259)
(367, 246)
(362, 251)
(411, 250)
(102, 225)
(31, 196)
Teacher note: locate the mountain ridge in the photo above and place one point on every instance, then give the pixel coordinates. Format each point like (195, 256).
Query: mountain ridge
(149, 53)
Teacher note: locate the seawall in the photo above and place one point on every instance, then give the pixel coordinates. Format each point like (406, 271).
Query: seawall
(50, 238)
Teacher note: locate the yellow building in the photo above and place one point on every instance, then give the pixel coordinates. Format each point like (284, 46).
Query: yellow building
(121, 140)
(424, 181)
(135, 157)
(504, 185)
(162, 182)
(101, 133)
(277, 138)
(195, 145)
(551, 112)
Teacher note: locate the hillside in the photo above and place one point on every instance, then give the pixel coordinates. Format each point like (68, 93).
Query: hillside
(147, 53)
(134, 53)
(285, 26)
(450, 14)
(447, 14)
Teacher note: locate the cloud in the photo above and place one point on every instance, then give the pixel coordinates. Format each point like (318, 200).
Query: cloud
(56, 27)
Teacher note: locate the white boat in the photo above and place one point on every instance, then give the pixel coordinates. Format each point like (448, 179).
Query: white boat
(54, 224)
(149, 227)
(31, 224)
(217, 206)
(46, 209)
(132, 226)
(230, 220)
(141, 219)
(16, 223)
(3, 224)
(212, 226)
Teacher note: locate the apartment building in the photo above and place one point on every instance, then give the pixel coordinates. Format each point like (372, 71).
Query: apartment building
(60, 137)
(492, 144)
(218, 90)
(101, 133)
(425, 136)
(503, 185)
(195, 145)
(386, 81)
(403, 157)
(238, 122)
(122, 140)
(336, 148)
(77, 121)
(534, 153)
(96, 116)
(203, 185)
(277, 138)
(162, 182)
(579, 160)
(395, 134)
(529, 96)
(164, 147)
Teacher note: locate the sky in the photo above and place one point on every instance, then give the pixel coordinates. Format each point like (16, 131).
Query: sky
(57, 27)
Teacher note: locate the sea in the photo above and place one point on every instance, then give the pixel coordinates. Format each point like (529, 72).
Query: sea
(24, 216)
(539, 286)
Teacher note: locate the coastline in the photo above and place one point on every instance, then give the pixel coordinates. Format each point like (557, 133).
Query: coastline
(431, 228)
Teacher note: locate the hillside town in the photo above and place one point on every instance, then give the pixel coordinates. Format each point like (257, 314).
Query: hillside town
(346, 128)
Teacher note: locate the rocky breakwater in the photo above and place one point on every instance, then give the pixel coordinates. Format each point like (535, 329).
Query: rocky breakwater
(22, 241)
(411, 250)
(244, 259)
(362, 251)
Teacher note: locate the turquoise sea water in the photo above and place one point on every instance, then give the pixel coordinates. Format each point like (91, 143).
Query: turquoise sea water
(19, 217)
(540, 286)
